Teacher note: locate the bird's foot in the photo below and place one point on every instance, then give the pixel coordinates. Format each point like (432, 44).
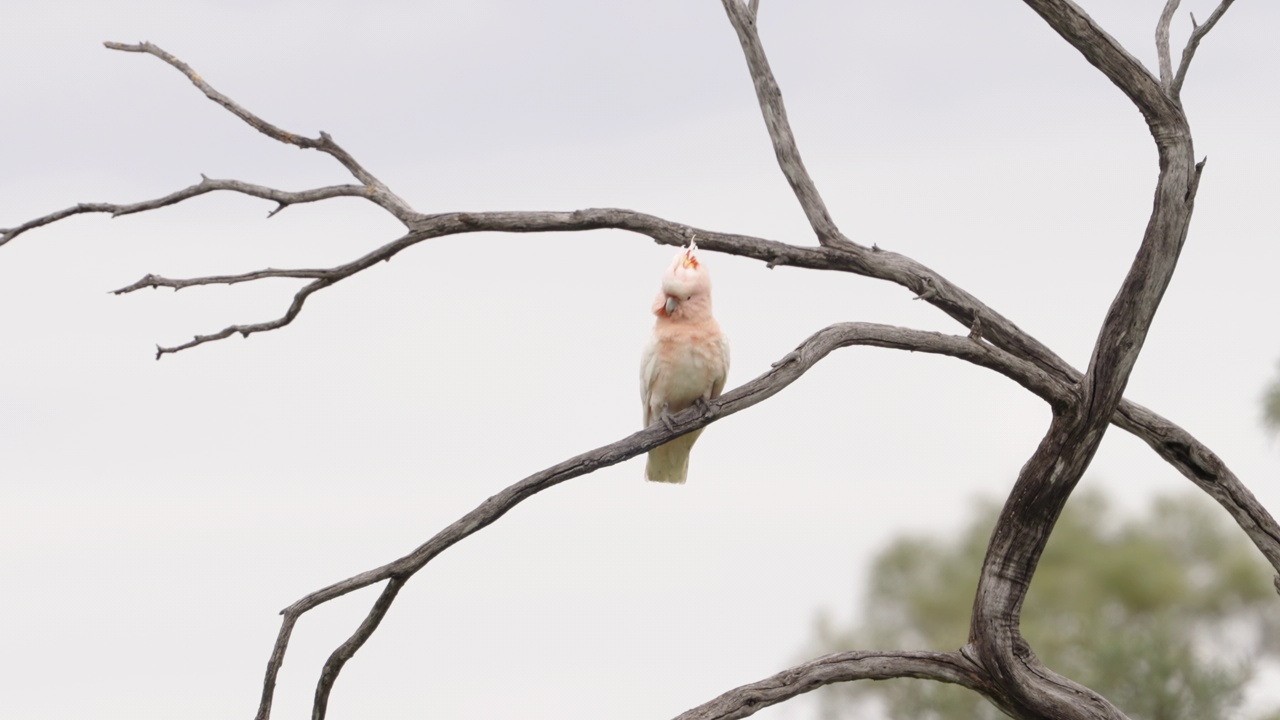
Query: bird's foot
(705, 408)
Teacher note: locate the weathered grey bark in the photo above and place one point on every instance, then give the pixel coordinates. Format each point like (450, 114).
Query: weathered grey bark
(996, 662)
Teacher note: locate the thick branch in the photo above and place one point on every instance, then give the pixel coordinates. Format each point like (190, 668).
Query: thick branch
(1025, 687)
(1105, 53)
(744, 701)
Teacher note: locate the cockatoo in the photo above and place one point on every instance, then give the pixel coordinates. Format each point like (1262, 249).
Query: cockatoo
(685, 362)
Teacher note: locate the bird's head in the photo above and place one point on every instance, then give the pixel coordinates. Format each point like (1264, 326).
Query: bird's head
(685, 285)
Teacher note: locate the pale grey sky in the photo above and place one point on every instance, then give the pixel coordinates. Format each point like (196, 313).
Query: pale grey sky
(156, 516)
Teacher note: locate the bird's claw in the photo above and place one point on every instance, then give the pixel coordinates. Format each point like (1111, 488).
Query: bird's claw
(704, 407)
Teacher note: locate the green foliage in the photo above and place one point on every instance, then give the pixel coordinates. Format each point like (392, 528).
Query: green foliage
(1165, 615)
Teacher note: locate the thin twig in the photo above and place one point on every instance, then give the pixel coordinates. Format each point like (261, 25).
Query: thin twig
(283, 199)
(1193, 42)
(158, 281)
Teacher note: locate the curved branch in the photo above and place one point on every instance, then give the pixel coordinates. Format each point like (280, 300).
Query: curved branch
(783, 373)
(379, 192)
(948, 667)
(1026, 688)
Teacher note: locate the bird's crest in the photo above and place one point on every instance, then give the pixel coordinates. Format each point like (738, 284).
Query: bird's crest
(690, 259)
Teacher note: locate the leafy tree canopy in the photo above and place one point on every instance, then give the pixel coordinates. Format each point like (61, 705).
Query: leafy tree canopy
(1165, 615)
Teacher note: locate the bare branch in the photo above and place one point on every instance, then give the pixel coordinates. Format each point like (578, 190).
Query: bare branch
(1162, 43)
(950, 667)
(157, 281)
(273, 667)
(782, 374)
(775, 118)
(325, 144)
(1197, 34)
(1204, 468)
(753, 6)
(284, 198)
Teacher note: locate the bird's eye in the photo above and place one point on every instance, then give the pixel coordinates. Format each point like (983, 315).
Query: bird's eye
(689, 298)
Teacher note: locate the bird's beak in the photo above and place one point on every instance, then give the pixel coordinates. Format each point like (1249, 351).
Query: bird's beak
(671, 305)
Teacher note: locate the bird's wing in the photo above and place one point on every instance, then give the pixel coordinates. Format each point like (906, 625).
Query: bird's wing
(717, 385)
(648, 374)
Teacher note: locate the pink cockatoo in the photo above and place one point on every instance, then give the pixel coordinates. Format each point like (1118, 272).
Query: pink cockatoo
(686, 361)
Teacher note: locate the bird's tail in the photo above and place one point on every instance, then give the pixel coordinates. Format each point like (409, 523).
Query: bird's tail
(669, 463)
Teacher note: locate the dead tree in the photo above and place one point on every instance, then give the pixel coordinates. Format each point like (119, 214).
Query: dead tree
(997, 662)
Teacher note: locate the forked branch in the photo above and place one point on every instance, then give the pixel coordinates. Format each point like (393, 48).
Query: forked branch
(1171, 80)
(1026, 687)
(1193, 43)
(378, 192)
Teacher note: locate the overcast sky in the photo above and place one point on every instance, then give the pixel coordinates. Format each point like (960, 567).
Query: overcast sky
(154, 517)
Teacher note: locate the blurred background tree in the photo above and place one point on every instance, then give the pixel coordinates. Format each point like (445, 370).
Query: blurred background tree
(1271, 404)
(1167, 615)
